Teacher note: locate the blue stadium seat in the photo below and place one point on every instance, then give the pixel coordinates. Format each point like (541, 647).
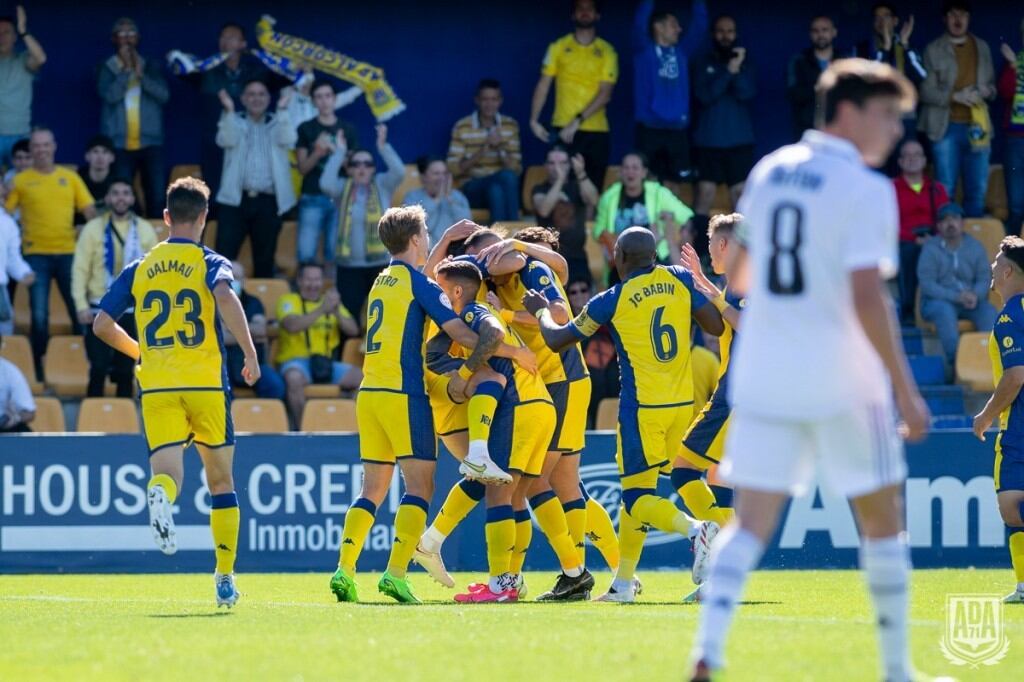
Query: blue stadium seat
(928, 370)
(944, 400)
(913, 343)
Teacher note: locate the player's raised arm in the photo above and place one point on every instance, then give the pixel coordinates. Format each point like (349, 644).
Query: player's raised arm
(875, 315)
(556, 336)
(231, 311)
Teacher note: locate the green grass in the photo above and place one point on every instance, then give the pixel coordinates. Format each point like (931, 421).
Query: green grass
(797, 625)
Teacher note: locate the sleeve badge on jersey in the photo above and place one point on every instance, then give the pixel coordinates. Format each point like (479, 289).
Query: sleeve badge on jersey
(1004, 318)
(545, 280)
(445, 301)
(1007, 342)
(469, 316)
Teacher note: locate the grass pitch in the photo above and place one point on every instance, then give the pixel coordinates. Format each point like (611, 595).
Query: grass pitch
(796, 625)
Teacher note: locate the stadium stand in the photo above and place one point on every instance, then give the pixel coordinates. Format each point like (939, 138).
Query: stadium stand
(258, 415)
(49, 416)
(322, 415)
(973, 366)
(607, 415)
(108, 415)
(65, 366)
(17, 350)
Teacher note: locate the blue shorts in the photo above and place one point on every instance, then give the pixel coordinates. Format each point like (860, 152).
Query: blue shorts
(340, 369)
(1009, 468)
(704, 442)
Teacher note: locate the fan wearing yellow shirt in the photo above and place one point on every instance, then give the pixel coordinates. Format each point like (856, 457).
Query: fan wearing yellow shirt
(584, 69)
(648, 313)
(396, 424)
(178, 290)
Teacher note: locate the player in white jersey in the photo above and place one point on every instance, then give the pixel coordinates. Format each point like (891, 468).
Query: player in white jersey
(819, 359)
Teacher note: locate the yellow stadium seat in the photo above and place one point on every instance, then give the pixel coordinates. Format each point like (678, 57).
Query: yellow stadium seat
(352, 352)
(65, 367)
(185, 170)
(108, 415)
(607, 415)
(286, 257)
(49, 416)
(17, 350)
(929, 328)
(988, 231)
(973, 365)
(995, 197)
(322, 391)
(612, 174)
(268, 291)
(533, 176)
(259, 415)
(329, 415)
(480, 216)
(410, 182)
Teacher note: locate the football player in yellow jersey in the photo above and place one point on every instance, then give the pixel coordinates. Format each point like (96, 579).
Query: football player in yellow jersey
(1006, 351)
(395, 419)
(178, 289)
(649, 313)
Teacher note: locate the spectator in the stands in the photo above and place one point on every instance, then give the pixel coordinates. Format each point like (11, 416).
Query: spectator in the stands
(238, 68)
(954, 110)
(270, 384)
(107, 243)
(21, 158)
(637, 201)
(584, 69)
(955, 276)
(362, 197)
(97, 171)
(804, 69)
(12, 265)
(17, 71)
(484, 155)
(724, 82)
(256, 185)
(562, 203)
(1011, 90)
(919, 198)
(134, 93)
(312, 324)
(444, 205)
(661, 86)
(318, 216)
(890, 43)
(17, 407)
(598, 351)
(47, 196)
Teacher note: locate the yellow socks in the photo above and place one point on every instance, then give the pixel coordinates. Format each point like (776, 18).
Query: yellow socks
(551, 520)
(576, 521)
(501, 539)
(167, 483)
(1015, 540)
(410, 521)
(698, 496)
(524, 534)
(224, 521)
(480, 410)
(632, 534)
(358, 522)
(461, 500)
(601, 533)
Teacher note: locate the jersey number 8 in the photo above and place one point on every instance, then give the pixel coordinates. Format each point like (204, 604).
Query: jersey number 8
(785, 276)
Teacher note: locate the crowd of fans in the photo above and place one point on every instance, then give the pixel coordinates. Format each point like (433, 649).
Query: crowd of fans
(272, 149)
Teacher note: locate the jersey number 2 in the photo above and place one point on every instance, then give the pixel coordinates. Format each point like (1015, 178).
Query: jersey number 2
(161, 302)
(785, 276)
(663, 337)
(376, 313)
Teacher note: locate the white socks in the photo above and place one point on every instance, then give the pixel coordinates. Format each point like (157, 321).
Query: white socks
(736, 552)
(477, 451)
(886, 565)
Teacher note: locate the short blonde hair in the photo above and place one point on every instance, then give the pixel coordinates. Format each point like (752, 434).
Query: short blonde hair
(398, 226)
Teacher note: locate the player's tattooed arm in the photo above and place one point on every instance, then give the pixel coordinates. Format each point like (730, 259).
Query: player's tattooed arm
(556, 336)
(490, 338)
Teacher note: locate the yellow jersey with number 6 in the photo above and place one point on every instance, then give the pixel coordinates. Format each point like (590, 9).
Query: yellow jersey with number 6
(180, 341)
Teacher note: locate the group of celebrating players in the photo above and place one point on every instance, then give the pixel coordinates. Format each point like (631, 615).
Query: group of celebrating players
(473, 342)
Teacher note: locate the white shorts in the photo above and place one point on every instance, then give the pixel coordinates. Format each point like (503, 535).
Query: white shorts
(853, 453)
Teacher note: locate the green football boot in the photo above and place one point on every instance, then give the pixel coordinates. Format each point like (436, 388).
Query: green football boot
(398, 589)
(343, 587)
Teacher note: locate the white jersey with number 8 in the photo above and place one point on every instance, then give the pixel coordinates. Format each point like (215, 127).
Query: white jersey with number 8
(814, 213)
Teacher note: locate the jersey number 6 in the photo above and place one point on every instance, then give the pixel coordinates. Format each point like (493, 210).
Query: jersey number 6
(663, 337)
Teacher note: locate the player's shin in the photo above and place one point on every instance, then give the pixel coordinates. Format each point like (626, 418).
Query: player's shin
(656, 511)
(480, 412)
(697, 495)
(224, 522)
(632, 534)
(600, 531)
(551, 520)
(461, 500)
(1015, 541)
(886, 565)
(523, 536)
(500, 532)
(576, 520)
(358, 522)
(410, 520)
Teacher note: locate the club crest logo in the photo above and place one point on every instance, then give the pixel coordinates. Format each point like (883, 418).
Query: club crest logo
(974, 630)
